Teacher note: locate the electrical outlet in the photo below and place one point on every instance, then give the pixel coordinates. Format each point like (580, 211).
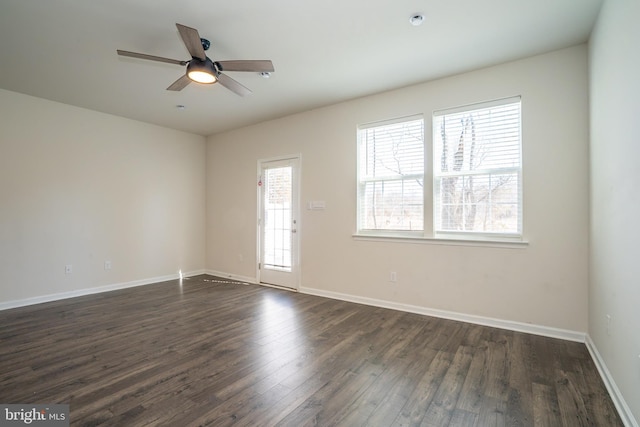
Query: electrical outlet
(107, 265)
(393, 277)
(68, 269)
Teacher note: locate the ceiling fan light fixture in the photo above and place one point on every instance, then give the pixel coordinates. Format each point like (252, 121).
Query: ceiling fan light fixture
(201, 71)
(202, 77)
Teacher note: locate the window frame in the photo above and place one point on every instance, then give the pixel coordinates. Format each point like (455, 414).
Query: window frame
(517, 170)
(429, 234)
(361, 182)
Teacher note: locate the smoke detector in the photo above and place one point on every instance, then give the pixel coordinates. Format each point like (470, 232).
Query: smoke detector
(416, 19)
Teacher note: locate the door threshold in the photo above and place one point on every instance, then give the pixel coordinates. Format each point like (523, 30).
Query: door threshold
(284, 288)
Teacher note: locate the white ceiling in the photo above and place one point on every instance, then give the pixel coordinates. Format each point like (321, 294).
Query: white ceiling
(324, 51)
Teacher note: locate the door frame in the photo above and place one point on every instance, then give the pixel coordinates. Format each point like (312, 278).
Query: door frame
(297, 253)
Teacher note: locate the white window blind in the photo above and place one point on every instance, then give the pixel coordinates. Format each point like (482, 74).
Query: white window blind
(478, 169)
(391, 176)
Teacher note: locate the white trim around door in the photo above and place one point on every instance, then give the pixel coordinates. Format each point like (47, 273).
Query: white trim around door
(278, 220)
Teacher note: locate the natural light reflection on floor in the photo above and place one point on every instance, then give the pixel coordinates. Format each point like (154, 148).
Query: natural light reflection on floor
(281, 340)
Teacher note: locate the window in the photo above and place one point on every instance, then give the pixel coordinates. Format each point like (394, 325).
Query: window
(478, 170)
(391, 176)
(472, 191)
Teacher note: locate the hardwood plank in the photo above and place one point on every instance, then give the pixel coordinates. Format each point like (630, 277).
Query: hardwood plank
(597, 401)
(395, 397)
(461, 418)
(472, 391)
(441, 408)
(346, 397)
(519, 411)
(497, 366)
(572, 407)
(492, 412)
(546, 411)
(414, 410)
(381, 396)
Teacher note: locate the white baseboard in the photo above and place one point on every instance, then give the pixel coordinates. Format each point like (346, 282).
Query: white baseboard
(621, 405)
(89, 291)
(469, 318)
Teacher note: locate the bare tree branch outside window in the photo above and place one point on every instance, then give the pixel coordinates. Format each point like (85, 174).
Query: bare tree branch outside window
(392, 171)
(478, 182)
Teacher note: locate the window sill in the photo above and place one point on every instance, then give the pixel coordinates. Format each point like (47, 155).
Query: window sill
(449, 241)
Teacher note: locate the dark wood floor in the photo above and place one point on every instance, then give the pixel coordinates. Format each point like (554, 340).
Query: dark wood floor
(218, 354)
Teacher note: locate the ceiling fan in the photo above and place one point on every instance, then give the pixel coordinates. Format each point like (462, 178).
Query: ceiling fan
(201, 69)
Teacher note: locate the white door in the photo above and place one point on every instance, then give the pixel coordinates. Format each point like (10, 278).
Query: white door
(278, 221)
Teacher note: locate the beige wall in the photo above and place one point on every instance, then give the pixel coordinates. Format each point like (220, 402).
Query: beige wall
(80, 187)
(544, 283)
(615, 195)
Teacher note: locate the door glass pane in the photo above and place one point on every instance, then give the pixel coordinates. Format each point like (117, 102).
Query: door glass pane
(277, 218)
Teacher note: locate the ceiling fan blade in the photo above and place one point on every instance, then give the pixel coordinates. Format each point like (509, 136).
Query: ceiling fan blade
(233, 85)
(180, 84)
(258, 66)
(150, 57)
(191, 40)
